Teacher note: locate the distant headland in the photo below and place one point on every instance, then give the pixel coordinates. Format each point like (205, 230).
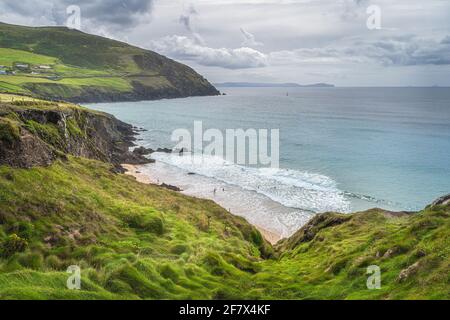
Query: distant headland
(272, 85)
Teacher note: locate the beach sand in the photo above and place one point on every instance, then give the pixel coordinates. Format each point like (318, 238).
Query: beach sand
(136, 172)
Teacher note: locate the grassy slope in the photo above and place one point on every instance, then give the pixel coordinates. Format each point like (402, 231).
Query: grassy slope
(141, 241)
(334, 264)
(138, 241)
(81, 61)
(129, 239)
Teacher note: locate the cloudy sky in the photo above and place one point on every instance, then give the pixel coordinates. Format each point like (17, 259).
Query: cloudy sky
(304, 41)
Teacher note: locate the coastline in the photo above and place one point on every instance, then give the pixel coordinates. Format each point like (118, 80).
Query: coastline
(134, 171)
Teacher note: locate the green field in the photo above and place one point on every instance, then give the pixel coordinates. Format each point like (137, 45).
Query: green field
(68, 76)
(71, 65)
(10, 56)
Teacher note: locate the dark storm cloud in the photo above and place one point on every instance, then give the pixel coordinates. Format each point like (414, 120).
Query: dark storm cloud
(113, 13)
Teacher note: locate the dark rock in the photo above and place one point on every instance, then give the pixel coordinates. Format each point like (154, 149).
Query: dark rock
(117, 168)
(142, 151)
(309, 231)
(26, 152)
(168, 186)
(134, 158)
(408, 272)
(442, 201)
(96, 136)
(165, 150)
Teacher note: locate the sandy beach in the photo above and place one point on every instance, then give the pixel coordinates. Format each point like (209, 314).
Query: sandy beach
(137, 172)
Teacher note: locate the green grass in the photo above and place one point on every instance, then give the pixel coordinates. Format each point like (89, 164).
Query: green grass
(9, 130)
(10, 56)
(136, 241)
(128, 236)
(141, 241)
(112, 83)
(12, 88)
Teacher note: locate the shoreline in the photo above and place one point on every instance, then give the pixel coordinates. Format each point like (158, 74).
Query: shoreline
(133, 170)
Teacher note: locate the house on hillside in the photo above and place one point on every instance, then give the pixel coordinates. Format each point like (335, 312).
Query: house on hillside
(3, 72)
(44, 67)
(22, 65)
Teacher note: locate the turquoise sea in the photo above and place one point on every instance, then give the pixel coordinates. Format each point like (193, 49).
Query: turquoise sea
(341, 149)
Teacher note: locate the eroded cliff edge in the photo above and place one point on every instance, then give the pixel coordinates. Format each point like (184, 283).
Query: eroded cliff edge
(37, 132)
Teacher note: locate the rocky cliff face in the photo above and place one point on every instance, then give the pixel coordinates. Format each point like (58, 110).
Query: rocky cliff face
(37, 133)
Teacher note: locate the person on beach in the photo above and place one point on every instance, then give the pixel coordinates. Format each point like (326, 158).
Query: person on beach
(215, 191)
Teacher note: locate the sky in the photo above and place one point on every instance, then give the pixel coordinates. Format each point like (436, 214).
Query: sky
(343, 42)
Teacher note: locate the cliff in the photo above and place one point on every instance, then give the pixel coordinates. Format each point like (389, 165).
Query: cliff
(37, 132)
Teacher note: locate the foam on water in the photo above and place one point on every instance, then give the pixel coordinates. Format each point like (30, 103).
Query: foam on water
(257, 208)
(291, 188)
(341, 149)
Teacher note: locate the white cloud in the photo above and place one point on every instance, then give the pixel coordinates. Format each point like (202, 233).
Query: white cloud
(184, 48)
(394, 51)
(304, 40)
(249, 39)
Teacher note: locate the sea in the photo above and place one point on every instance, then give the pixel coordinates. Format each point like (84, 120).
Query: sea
(340, 149)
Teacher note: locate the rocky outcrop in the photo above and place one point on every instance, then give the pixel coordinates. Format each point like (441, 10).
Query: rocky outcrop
(310, 230)
(442, 201)
(405, 274)
(34, 135)
(25, 152)
(143, 151)
(93, 94)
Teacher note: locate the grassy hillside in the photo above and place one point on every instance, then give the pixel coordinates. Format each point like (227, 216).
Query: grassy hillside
(59, 63)
(136, 241)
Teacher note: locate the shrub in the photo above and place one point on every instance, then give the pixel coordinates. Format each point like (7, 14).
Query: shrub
(73, 128)
(9, 131)
(118, 286)
(47, 132)
(168, 272)
(13, 244)
(23, 229)
(203, 223)
(154, 224)
(179, 249)
(32, 260)
(215, 264)
(53, 262)
(150, 223)
(256, 238)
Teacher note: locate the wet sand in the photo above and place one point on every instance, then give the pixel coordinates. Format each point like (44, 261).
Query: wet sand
(143, 175)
